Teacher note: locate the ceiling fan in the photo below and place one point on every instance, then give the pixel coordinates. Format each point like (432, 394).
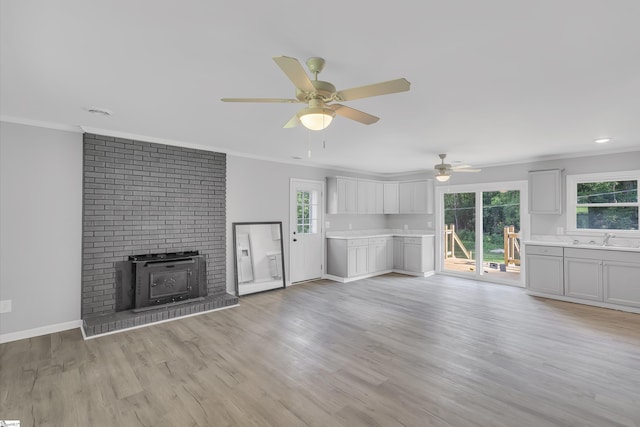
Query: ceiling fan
(321, 96)
(443, 170)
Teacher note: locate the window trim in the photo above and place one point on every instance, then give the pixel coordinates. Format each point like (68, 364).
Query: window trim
(572, 196)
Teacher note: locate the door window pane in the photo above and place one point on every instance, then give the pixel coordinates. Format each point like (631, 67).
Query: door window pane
(307, 212)
(460, 235)
(501, 234)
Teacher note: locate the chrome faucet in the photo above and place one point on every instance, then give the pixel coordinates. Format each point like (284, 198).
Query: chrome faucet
(607, 236)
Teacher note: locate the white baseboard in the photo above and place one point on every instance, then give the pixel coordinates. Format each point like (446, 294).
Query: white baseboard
(36, 332)
(379, 273)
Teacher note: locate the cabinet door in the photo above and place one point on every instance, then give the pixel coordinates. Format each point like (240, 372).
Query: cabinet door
(363, 196)
(420, 196)
(428, 253)
(391, 200)
(398, 253)
(347, 195)
(412, 257)
(406, 190)
(357, 262)
(621, 282)
(545, 191)
(390, 252)
(362, 261)
(377, 258)
(583, 278)
(545, 274)
(379, 198)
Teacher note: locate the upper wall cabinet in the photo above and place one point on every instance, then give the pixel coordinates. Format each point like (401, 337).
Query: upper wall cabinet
(416, 197)
(545, 192)
(391, 198)
(370, 197)
(342, 195)
(362, 196)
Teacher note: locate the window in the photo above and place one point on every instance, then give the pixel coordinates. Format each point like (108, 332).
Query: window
(603, 202)
(307, 212)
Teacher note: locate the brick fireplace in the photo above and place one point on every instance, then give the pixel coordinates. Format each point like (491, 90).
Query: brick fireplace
(141, 197)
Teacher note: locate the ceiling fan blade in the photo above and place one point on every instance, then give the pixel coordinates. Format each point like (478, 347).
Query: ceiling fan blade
(292, 68)
(376, 89)
(288, 101)
(353, 114)
(295, 121)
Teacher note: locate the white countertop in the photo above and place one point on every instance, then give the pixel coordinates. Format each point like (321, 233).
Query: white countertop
(364, 234)
(582, 245)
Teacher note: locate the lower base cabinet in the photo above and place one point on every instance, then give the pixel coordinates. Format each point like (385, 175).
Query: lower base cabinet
(583, 278)
(603, 275)
(545, 274)
(358, 257)
(357, 261)
(621, 282)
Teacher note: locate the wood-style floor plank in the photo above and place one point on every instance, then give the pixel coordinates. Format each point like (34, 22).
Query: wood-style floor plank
(386, 351)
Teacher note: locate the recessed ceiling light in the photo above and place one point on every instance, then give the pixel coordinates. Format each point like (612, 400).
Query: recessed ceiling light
(100, 111)
(602, 140)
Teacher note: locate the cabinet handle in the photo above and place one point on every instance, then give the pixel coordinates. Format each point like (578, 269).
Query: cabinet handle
(295, 240)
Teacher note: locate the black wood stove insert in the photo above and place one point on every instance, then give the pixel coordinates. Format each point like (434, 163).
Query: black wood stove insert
(150, 280)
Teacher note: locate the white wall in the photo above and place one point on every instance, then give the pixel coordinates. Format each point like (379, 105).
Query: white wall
(258, 190)
(40, 226)
(547, 224)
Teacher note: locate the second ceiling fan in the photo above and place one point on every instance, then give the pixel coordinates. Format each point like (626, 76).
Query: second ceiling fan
(443, 170)
(322, 96)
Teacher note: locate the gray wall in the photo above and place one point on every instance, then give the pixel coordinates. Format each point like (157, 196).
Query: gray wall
(40, 226)
(142, 198)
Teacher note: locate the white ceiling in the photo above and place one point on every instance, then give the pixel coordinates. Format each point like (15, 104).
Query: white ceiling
(492, 82)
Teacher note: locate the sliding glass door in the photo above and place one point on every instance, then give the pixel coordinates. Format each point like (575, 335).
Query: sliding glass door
(481, 230)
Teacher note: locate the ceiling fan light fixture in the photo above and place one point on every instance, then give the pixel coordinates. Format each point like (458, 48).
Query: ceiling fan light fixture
(316, 118)
(443, 177)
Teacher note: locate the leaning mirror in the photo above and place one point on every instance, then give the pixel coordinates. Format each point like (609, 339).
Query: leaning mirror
(257, 249)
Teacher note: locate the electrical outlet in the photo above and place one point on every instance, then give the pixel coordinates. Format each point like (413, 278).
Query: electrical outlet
(406, 227)
(429, 224)
(5, 306)
(327, 224)
(350, 227)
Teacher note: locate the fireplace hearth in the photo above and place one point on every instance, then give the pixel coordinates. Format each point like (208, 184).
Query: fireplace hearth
(151, 280)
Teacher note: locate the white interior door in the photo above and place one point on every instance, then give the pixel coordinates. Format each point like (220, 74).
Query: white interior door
(306, 230)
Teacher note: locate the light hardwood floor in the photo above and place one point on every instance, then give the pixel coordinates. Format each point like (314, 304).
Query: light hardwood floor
(390, 350)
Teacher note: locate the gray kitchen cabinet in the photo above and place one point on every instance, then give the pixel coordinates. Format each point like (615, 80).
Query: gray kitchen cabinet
(391, 203)
(545, 192)
(583, 278)
(342, 195)
(621, 282)
(545, 269)
(418, 254)
(357, 257)
(416, 197)
(398, 253)
(377, 254)
(389, 244)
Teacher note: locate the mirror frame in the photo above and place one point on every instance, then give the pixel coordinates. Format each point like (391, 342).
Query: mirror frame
(235, 254)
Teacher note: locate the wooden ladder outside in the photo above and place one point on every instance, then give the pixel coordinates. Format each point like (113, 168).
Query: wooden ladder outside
(511, 246)
(450, 241)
